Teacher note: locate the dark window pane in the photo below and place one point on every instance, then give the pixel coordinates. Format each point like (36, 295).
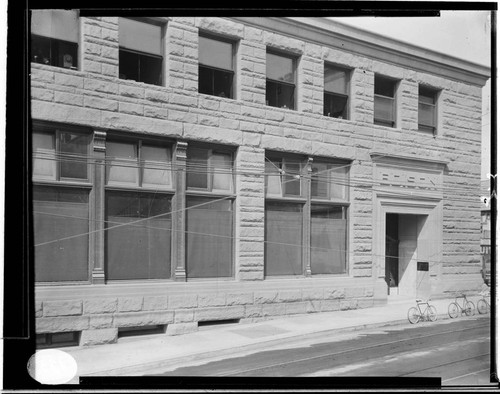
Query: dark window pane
(138, 236)
(40, 49)
(328, 240)
(426, 114)
(280, 68)
(215, 53)
(384, 87)
(65, 54)
(150, 69)
(209, 238)
(215, 82)
(335, 106)
(280, 95)
(61, 226)
(426, 95)
(283, 246)
(129, 65)
(197, 168)
(74, 155)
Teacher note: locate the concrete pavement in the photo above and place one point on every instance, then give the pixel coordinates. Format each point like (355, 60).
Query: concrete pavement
(142, 355)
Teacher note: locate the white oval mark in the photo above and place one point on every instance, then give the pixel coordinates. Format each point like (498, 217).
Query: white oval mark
(52, 366)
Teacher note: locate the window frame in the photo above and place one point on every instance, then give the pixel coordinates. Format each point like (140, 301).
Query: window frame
(214, 194)
(348, 73)
(138, 189)
(380, 121)
(54, 41)
(122, 49)
(294, 60)
(59, 183)
(305, 201)
(435, 96)
(231, 72)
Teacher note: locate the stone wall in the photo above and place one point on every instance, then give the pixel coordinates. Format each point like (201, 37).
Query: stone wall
(94, 97)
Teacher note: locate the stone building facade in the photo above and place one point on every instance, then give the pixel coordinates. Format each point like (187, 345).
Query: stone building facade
(212, 169)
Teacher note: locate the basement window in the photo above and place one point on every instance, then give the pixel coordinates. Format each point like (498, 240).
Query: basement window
(141, 330)
(59, 339)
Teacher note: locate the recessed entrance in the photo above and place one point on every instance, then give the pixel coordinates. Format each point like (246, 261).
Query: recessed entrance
(402, 240)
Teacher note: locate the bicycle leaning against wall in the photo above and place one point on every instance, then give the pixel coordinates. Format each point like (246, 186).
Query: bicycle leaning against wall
(483, 306)
(416, 314)
(461, 305)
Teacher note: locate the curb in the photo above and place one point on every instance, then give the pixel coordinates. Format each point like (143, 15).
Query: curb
(142, 368)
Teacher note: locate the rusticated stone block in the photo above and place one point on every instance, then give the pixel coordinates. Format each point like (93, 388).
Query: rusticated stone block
(182, 301)
(312, 294)
(253, 311)
(184, 316)
(331, 294)
(38, 309)
(181, 328)
(101, 321)
(313, 306)
(239, 299)
(225, 313)
(330, 305)
(129, 304)
(348, 304)
(213, 299)
(294, 308)
(289, 296)
(58, 324)
(138, 319)
(273, 309)
(352, 292)
(99, 305)
(265, 297)
(98, 337)
(62, 308)
(155, 303)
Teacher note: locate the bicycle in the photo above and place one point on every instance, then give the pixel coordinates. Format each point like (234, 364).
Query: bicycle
(467, 307)
(415, 314)
(483, 306)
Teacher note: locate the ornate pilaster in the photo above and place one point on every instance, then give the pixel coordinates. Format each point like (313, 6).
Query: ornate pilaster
(306, 184)
(99, 148)
(179, 215)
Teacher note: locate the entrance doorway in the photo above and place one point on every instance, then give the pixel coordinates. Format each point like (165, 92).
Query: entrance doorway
(402, 240)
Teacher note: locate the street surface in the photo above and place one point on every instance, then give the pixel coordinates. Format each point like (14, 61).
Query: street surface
(457, 351)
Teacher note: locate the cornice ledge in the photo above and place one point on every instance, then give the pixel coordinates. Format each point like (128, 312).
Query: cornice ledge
(381, 157)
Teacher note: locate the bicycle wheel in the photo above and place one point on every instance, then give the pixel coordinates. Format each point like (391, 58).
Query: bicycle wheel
(453, 309)
(432, 313)
(482, 306)
(413, 315)
(469, 308)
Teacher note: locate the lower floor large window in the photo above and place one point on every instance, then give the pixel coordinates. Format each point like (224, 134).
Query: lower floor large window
(61, 233)
(209, 237)
(328, 239)
(138, 235)
(283, 247)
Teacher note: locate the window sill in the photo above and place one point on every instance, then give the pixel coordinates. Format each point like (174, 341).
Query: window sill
(72, 70)
(299, 200)
(46, 182)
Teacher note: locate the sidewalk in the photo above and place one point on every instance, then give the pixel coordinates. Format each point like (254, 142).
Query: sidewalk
(142, 355)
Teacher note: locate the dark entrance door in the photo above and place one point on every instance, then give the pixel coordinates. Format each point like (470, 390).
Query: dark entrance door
(391, 250)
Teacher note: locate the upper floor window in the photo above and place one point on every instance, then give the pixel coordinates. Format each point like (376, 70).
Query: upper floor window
(140, 55)
(427, 104)
(385, 101)
(280, 80)
(54, 38)
(336, 95)
(215, 67)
